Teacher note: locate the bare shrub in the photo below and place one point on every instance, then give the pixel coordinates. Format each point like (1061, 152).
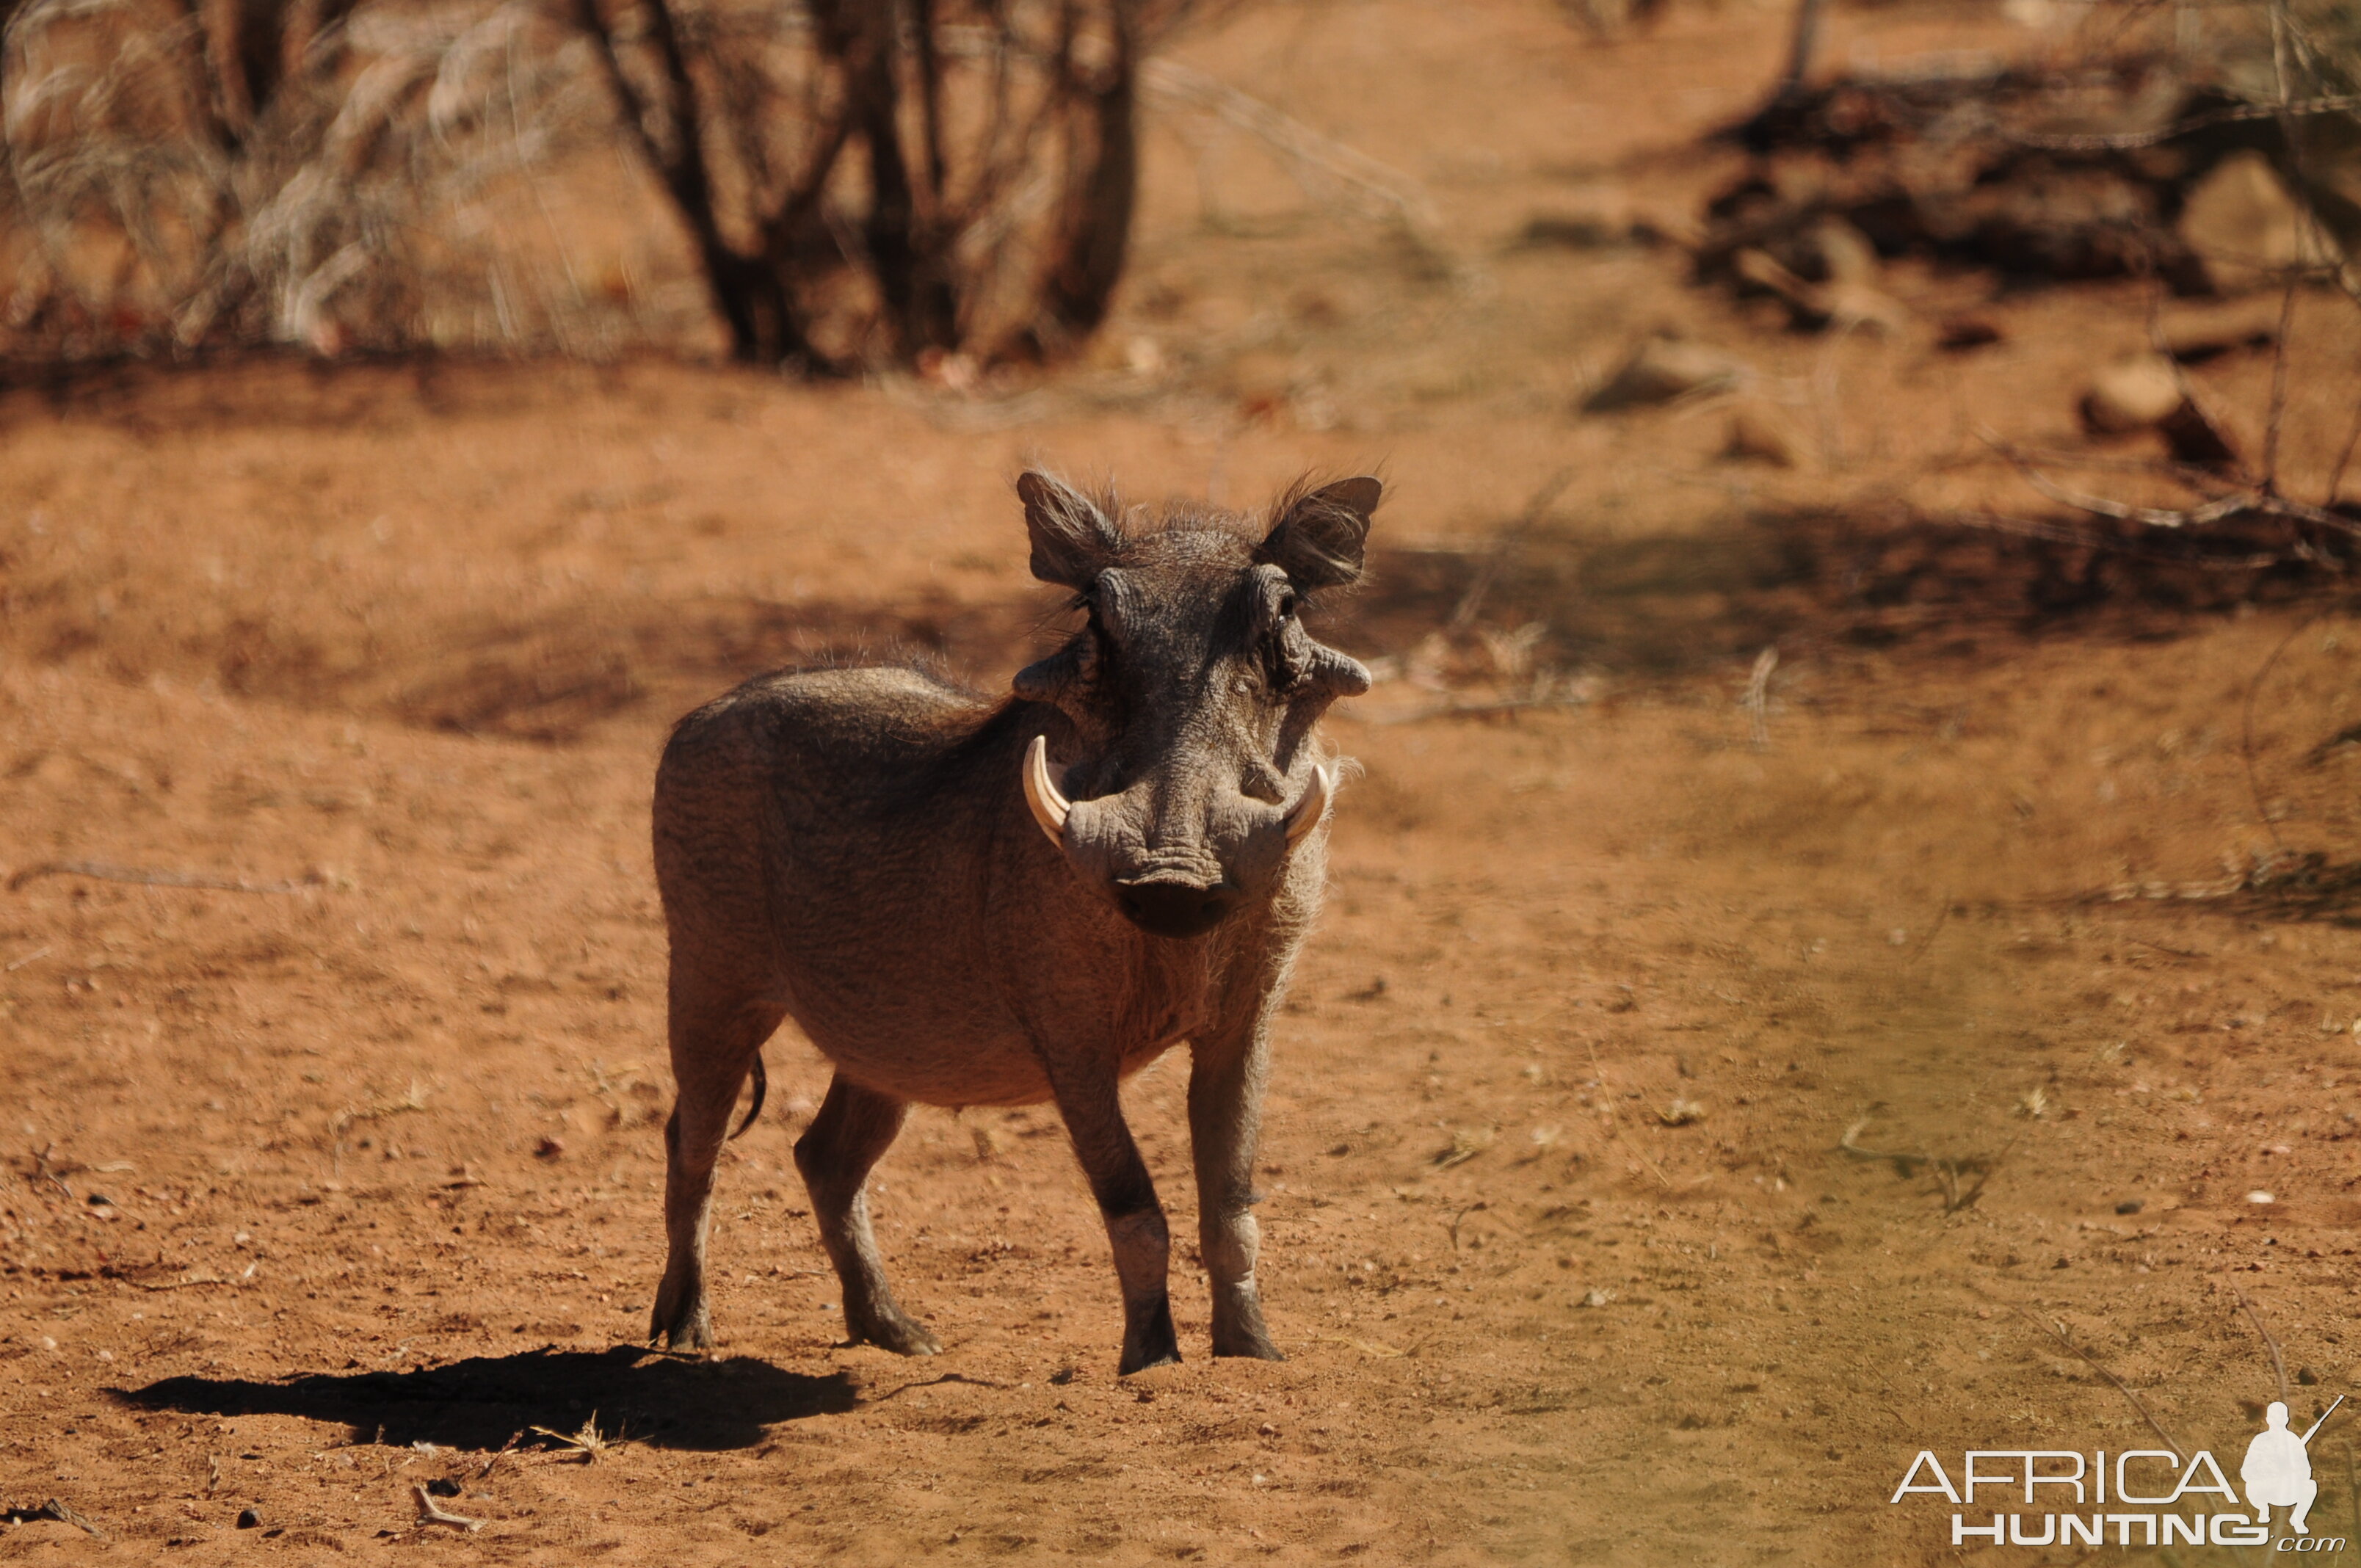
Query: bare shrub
(178, 179)
(856, 182)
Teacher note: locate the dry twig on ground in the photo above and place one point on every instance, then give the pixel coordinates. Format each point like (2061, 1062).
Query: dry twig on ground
(2058, 1334)
(432, 1512)
(1614, 1120)
(102, 871)
(589, 1442)
(1962, 1181)
(2278, 1364)
(54, 1509)
(1504, 546)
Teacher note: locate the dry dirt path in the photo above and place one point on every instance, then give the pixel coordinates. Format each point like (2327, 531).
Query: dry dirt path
(313, 1195)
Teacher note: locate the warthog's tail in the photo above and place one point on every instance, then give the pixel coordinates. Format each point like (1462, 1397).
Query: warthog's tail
(762, 1087)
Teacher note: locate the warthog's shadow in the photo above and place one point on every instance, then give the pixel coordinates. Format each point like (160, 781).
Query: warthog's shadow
(480, 1403)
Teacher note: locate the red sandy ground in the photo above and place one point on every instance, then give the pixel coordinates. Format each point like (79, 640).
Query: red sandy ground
(1578, 1237)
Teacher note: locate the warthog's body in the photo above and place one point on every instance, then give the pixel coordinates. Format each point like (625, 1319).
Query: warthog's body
(852, 849)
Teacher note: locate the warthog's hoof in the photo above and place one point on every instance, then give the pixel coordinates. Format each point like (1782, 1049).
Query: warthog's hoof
(1168, 1357)
(1258, 1348)
(1238, 1328)
(1148, 1340)
(896, 1332)
(681, 1324)
(695, 1335)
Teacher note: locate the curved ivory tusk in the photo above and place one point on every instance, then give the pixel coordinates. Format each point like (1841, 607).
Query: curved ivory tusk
(1307, 811)
(1049, 808)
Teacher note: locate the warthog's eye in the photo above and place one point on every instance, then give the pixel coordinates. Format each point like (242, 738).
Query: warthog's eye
(1094, 650)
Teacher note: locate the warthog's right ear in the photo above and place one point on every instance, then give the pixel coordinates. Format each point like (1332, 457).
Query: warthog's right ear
(1052, 679)
(1072, 540)
(1319, 536)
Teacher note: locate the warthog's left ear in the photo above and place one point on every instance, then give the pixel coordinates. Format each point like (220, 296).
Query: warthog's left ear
(1072, 540)
(1320, 536)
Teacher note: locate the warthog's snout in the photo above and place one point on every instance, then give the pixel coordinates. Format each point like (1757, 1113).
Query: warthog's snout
(1230, 857)
(1168, 906)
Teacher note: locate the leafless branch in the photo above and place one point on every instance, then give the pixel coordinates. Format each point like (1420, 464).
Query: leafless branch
(54, 1509)
(2246, 727)
(1757, 700)
(2058, 534)
(1328, 170)
(2343, 459)
(2257, 501)
(2127, 141)
(324, 200)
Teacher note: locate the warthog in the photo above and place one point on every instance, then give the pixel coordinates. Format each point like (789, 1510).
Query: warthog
(965, 902)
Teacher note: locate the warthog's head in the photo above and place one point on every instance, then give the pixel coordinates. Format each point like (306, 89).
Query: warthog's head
(1193, 690)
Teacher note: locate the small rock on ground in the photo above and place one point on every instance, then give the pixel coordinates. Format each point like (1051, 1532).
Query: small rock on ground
(2133, 393)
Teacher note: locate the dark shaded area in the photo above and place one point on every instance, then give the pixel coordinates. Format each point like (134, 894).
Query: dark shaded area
(2011, 169)
(1663, 603)
(482, 1402)
(1650, 606)
(2308, 886)
(550, 678)
(1655, 607)
(231, 386)
(2285, 887)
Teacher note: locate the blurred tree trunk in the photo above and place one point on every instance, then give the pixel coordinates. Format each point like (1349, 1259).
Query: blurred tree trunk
(251, 48)
(243, 57)
(903, 242)
(1092, 237)
(1761, 129)
(1801, 46)
(669, 131)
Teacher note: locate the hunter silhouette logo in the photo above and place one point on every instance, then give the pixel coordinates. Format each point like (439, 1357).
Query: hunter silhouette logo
(2142, 1496)
(2277, 1470)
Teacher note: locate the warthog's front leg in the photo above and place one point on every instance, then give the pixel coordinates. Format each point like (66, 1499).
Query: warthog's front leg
(1089, 1098)
(1225, 1081)
(854, 1128)
(713, 1047)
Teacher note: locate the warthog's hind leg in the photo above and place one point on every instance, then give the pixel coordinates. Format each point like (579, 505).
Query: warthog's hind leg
(1089, 1099)
(854, 1128)
(713, 1049)
(1226, 1081)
